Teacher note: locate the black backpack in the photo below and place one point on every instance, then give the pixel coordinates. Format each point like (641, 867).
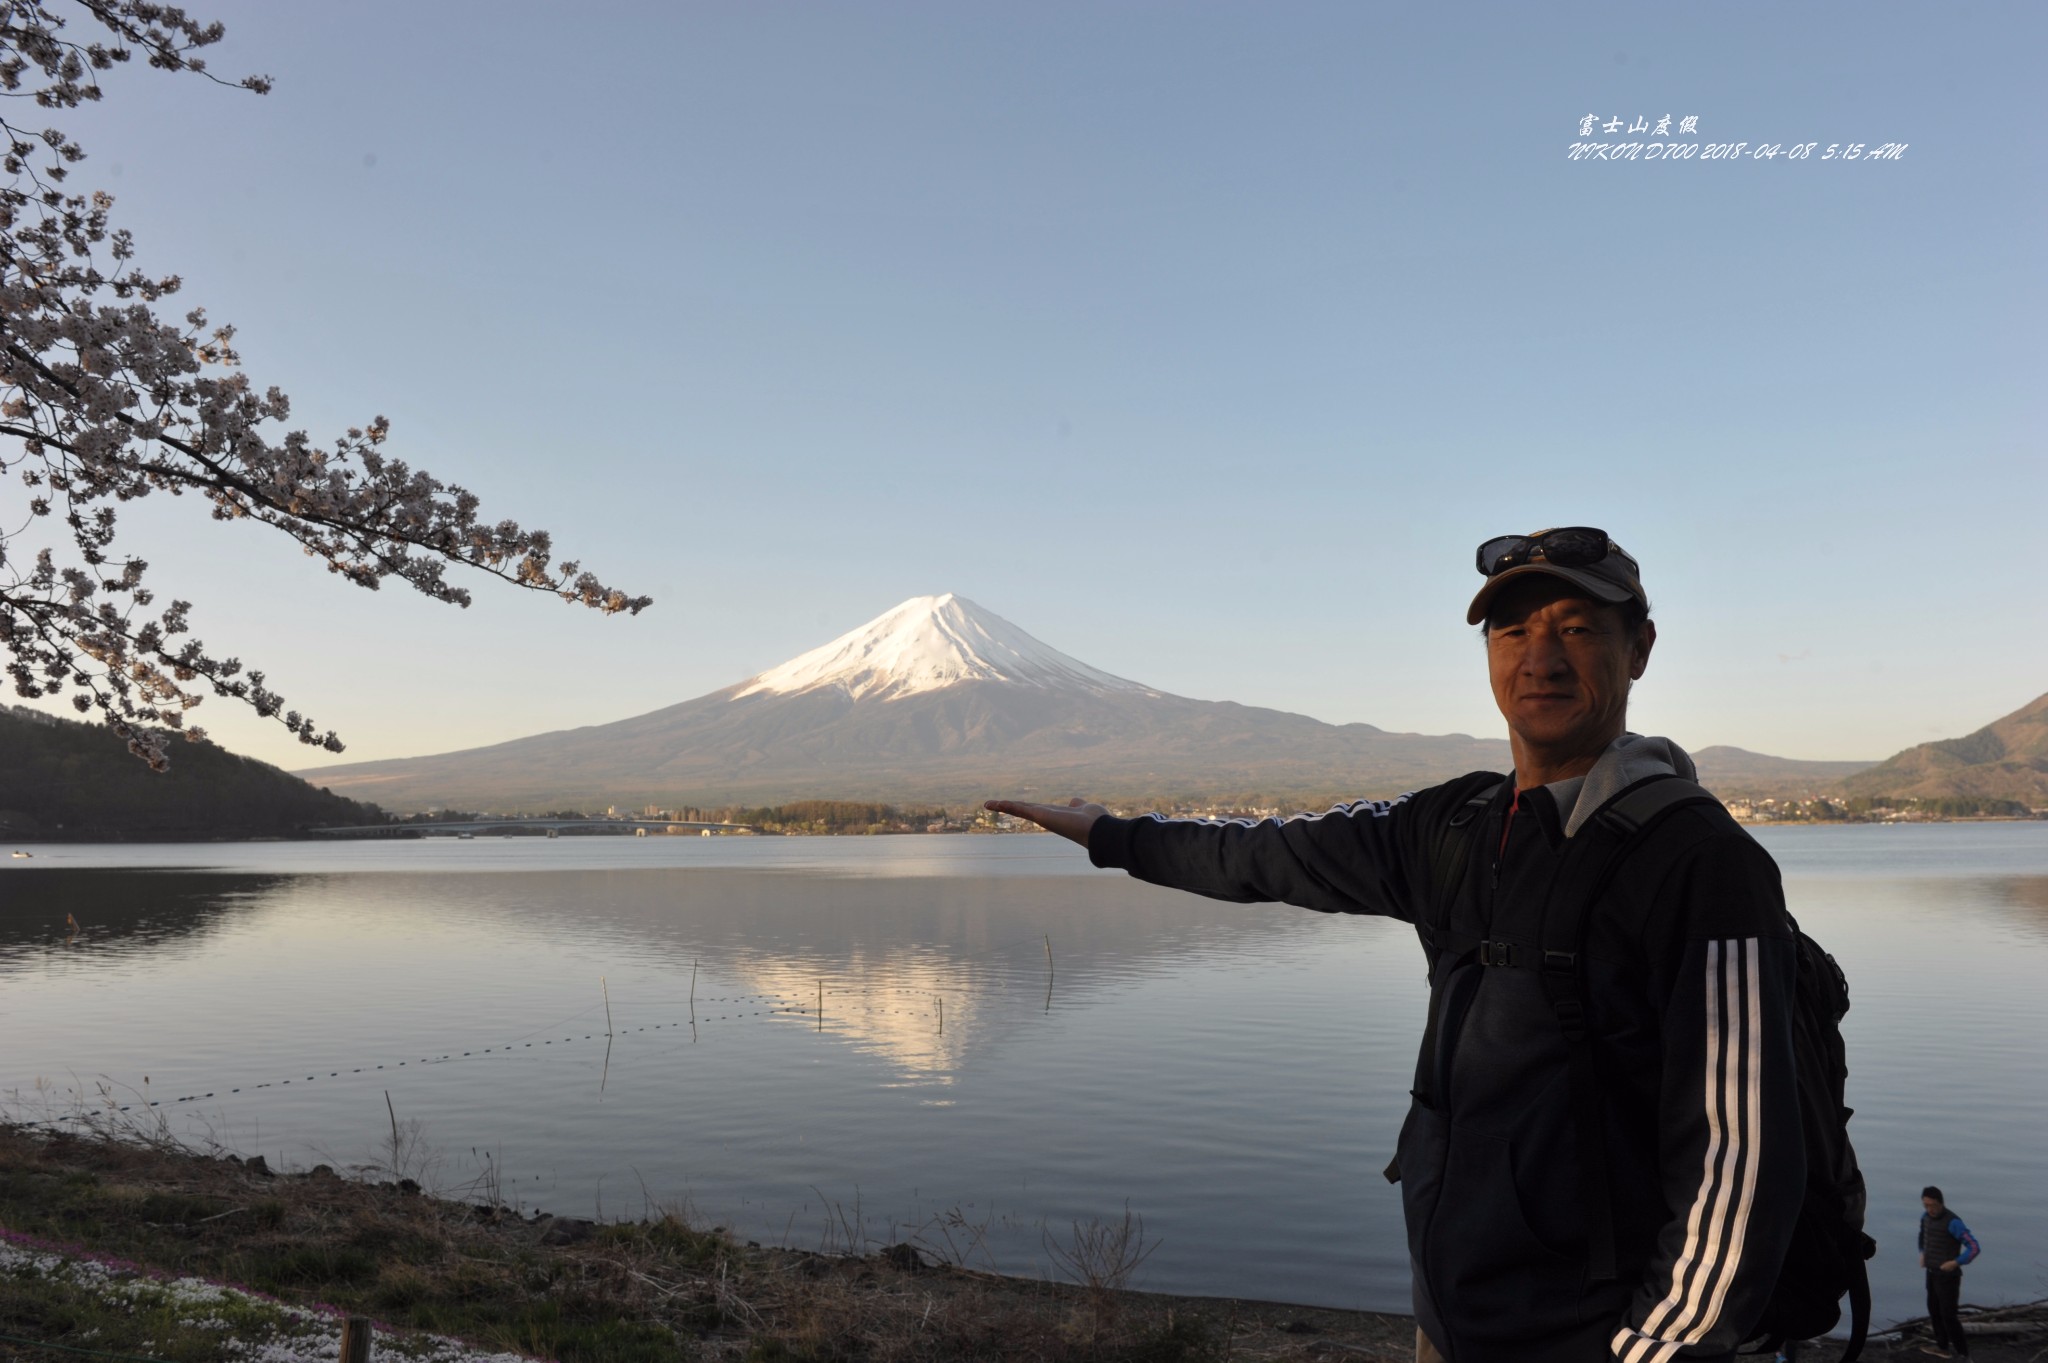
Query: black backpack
(1826, 1258)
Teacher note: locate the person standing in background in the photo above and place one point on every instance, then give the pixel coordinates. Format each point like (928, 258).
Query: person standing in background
(1945, 1246)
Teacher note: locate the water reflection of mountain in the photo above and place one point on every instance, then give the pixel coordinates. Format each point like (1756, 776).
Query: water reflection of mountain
(918, 1014)
(920, 970)
(2026, 899)
(1102, 926)
(117, 910)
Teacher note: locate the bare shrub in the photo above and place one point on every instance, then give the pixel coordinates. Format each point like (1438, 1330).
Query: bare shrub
(1102, 1255)
(951, 1238)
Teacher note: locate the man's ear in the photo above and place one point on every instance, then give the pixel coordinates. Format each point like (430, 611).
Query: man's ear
(1646, 639)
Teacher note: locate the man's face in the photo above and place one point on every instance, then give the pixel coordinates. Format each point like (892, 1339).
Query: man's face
(1933, 1205)
(1561, 667)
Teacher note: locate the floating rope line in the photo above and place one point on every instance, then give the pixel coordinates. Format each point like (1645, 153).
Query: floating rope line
(508, 1048)
(778, 1006)
(475, 1053)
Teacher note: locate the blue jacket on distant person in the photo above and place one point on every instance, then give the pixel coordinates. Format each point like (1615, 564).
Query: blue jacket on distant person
(1943, 1237)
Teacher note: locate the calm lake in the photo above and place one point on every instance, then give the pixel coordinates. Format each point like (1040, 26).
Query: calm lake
(1233, 1075)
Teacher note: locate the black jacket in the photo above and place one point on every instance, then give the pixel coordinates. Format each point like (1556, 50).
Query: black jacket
(1689, 973)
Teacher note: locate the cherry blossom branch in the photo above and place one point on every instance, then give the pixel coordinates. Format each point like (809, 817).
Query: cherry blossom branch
(102, 403)
(448, 529)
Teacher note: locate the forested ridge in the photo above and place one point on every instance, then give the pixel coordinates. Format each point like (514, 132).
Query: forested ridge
(63, 780)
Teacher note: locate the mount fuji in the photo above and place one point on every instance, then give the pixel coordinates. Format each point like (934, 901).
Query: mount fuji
(936, 700)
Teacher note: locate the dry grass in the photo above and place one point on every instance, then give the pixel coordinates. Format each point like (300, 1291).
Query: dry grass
(657, 1288)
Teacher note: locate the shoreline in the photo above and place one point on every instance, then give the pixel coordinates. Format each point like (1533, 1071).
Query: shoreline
(312, 1247)
(146, 1246)
(126, 840)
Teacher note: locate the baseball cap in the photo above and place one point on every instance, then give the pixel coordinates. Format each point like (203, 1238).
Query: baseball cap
(1580, 554)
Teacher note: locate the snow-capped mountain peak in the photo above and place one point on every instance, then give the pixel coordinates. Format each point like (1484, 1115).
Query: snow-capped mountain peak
(929, 643)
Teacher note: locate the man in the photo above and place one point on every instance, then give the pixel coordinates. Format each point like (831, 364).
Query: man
(1664, 1241)
(1945, 1246)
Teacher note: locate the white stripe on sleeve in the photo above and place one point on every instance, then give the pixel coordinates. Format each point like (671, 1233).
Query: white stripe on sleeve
(1718, 1220)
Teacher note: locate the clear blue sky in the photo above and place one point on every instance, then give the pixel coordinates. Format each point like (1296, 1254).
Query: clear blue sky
(1203, 342)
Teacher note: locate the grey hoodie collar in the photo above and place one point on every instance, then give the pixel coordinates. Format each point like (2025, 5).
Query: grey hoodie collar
(1627, 760)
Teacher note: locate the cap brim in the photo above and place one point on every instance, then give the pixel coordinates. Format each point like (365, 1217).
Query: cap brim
(1598, 588)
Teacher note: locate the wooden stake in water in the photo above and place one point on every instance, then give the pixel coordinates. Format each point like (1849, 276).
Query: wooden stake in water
(942, 1016)
(821, 1005)
(1048, 972)
(394, 1132)
(605, 1077)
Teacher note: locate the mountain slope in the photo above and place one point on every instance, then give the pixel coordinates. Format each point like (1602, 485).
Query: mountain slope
(2007, 759)
(966, 741)
(937, 699)
(940, 700)
(64, 780)
(1728, 771)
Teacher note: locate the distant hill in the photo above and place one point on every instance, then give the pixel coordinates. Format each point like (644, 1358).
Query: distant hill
(1729, 771)
(2007, 759)
(62, 780)
(942, 701)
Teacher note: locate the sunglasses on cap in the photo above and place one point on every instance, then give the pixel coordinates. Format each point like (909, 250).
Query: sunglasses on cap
(1573, 546)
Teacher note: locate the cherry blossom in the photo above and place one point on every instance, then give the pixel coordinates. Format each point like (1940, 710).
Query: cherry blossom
(104, 399)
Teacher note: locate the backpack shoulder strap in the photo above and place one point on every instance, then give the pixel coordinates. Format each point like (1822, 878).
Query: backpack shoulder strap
(1598, 849)
(1452, 861)
(1602, 843)
(1599, 846)
(1859, 1304)
(1649, 800)
(1455, 846)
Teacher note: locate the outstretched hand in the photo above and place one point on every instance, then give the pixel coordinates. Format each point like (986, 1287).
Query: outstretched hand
(1071, 820)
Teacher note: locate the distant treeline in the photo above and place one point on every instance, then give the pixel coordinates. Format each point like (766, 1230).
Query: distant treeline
(434, 816)
(63, 780)
(800, 816)
(1941, 807)
(1866, 808)
(833, 816)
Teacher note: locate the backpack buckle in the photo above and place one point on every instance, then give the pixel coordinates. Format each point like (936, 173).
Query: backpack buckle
(1561, 962)
(1471, 809)
(1496, 953)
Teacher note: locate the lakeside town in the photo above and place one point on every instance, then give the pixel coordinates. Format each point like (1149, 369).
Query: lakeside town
(857, 818)
(1879, 809)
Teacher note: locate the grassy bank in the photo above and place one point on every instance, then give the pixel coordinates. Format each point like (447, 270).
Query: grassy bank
(140, 1249)
(124, 1248)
